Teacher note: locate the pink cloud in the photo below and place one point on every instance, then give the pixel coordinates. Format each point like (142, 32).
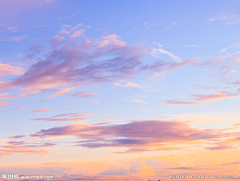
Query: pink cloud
(78, 33)
(137, 136)
(67, 17)
(4, 103)
(41, 110)
(58, 93)
(6, 69)
(110, 117)
(23, 107)
(138, 101)
(64, 31)
(57, 40)
(13, 147)
(201, 98)
(75, 64)
(129, 84)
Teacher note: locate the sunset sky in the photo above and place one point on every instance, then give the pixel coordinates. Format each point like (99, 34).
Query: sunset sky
(119, 90)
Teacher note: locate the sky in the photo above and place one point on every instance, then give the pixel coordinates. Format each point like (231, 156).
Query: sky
(119, 90)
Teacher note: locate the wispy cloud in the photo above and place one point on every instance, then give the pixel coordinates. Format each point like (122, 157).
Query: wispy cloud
(228, 18)
(156, 52)
(84, 94)
(69, 117)
(57, 93)
(41, 110)
(16, 38)
(7, 69)
(67, 17)
(4, 103)
(138, 101)
(151, 134)
(129, 84)
(13, 147)
(190, 46)
(202, 98)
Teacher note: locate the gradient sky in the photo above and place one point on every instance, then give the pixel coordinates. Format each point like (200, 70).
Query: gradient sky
(119, 90)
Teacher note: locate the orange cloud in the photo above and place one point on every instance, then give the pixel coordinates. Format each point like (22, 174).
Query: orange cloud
(41, 110)
(13, 147)
(58, 93)
(147, 135)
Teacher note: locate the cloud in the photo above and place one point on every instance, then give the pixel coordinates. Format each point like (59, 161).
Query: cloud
(64, 31)
(143, 169)
(21, 94)
(162, 67)
(135, 135)
(114, 171)
(71, 176)
(231, 163)
(157, 44)
(57, 40)
(41, 110)
(137, 169)
(6, 27)
(143, 110)
(129, 84)
(211, 19)
(35, 48)
(6, 69)
(67, 65)
(190, 46)
(4, 103)
(42, 2)
(149, 24)
(113, 17)
(228, 18)
(156, 52)
(221, 66)
(201, 98)
(78, 33)
(67, 17)
(16, 38)
(92, 62)
(235, 45)
(17, 108)
(110, 117)
(94, 102)
(32, 51)
(184, 168)
(57, 93)
(12, 147)
(83, 94)
(17, 137)
(69, 117)
(138, 101)
(221, 147)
